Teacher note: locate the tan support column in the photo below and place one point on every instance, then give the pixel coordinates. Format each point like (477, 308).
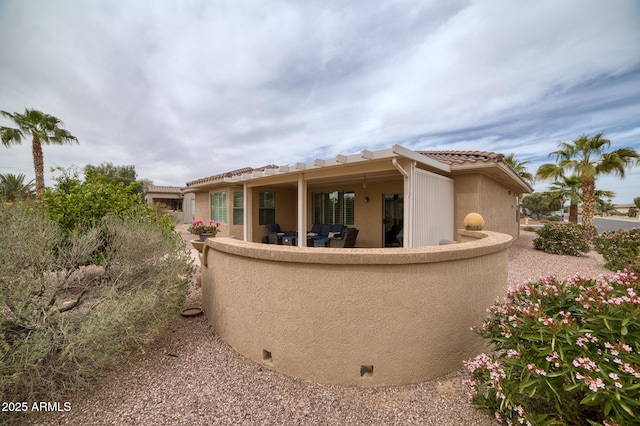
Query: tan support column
(248, 216)
(302, 211)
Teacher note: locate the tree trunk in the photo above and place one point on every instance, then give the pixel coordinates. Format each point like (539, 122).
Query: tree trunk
(38, 165)
(573, 212)
(588, 205)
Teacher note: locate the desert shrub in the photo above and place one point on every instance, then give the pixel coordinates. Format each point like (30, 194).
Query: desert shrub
(620, 249)
(563, 352)
(561, 238)
(63, 319)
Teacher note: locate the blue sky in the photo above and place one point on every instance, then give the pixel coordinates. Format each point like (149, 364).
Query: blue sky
(187, 89)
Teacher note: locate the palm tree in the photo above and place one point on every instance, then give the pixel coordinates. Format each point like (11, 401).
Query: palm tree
(604, 206)
(568, 188)
(44, 128)
(13, 188)
(587, 159)
(520, 167)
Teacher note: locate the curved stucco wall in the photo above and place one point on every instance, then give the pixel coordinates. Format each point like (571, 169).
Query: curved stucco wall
(363, 317)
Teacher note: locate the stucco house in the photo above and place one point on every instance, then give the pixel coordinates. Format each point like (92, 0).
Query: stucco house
(420, 196)
(366, 315)
(168, 198)
(626, 209)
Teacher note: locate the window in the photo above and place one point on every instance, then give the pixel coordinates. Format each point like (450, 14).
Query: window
(334, 207)
(267, 208)
(238, 208)
(219, 207)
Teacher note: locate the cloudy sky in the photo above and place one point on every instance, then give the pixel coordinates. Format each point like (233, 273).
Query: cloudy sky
(184, 89)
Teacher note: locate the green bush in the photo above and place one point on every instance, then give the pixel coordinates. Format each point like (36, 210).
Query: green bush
(561, 238)
(620, 249)
(564, 352)
(63, 319)
(78, 204)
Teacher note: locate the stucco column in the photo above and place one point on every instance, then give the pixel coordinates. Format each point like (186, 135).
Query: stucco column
(302, 211)
(248, 217)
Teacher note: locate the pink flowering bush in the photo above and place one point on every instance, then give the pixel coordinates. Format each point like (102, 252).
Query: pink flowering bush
(620, 249)
(198, 227)
(563, 352)
(561, 238)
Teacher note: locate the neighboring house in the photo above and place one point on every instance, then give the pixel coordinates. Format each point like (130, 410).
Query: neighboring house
(167, 198)
(624, 209)
(420, 196)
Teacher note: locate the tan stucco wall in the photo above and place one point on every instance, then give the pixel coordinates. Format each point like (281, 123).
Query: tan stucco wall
(203, 206)
(322, 314)
(476, 193)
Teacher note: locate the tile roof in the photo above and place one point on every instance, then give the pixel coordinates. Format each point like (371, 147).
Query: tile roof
(154, 188)
(460, 157)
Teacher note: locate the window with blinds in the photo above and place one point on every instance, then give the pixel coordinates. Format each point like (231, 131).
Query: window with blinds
(334, 207)
(219, 207)
(238, 208)
(267, 208)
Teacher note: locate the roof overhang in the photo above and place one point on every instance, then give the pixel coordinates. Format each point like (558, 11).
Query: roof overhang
(498, 171)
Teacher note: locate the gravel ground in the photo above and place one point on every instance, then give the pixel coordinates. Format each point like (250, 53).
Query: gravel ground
(190, 376)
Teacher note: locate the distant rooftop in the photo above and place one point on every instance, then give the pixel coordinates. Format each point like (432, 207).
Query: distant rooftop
(171, 189)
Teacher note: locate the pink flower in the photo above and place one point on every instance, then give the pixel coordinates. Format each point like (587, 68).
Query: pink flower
(586, 363)
(535, 370)
(595, 384)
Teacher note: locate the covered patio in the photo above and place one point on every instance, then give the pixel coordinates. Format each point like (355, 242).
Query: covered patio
(395, 197)
(373, 191)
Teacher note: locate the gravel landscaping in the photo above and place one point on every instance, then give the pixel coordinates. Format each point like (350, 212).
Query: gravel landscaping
(190, 376)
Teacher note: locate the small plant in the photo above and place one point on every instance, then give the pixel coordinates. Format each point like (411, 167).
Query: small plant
(564, 352)
(561, 238)
(620, 249)
(198, 227)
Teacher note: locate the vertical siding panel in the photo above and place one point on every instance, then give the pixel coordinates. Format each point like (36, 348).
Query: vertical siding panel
(432, 208)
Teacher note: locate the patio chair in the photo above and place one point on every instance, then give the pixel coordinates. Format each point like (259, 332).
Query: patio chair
(327, 233)
(347, 240)
(391, 236)
(275, 234)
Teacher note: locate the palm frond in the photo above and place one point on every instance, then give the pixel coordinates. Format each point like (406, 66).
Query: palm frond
(550, 171)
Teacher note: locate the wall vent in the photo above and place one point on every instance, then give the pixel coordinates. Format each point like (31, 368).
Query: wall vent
(366, 370)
